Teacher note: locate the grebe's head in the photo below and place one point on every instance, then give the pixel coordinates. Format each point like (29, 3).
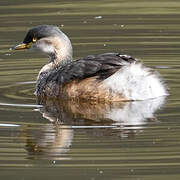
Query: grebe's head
(49, 40)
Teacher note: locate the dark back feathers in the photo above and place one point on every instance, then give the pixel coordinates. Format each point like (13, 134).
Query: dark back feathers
(102, 66)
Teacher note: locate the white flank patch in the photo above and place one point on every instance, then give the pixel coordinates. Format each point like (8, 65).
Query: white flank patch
(136, 82)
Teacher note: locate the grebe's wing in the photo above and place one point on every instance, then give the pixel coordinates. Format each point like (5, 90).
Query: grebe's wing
(102, 66)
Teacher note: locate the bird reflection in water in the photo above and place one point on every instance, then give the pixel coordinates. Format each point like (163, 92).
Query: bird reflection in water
(53, 140)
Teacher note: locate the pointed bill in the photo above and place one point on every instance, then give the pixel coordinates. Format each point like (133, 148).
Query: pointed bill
(20, 46)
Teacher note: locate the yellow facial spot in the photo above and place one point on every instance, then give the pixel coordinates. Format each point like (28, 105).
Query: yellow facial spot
(29, 45)
(25, 45)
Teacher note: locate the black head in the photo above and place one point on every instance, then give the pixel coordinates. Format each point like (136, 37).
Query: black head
(41, 31)
(38, 32)
(47, 39)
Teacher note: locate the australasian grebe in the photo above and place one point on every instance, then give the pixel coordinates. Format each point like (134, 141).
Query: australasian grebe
(106, 77)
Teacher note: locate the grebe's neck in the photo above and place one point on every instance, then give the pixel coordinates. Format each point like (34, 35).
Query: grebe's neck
(51, 66)
(59, 50)
(61, 55)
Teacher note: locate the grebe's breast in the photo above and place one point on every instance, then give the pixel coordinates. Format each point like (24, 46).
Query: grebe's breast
(104, 77)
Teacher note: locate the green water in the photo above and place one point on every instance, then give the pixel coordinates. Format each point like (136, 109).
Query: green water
(138, 140)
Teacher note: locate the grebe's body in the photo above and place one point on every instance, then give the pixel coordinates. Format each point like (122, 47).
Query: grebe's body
(103, 77)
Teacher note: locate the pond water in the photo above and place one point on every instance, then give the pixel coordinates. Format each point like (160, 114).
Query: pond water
(63, 140)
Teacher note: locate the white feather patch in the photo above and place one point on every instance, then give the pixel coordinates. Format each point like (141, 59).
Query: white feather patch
(136, 82)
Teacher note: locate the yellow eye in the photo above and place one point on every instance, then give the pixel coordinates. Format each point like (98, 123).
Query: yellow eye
(34, 39)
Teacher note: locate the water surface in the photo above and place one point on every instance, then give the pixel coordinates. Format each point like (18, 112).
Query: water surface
(137, 140)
